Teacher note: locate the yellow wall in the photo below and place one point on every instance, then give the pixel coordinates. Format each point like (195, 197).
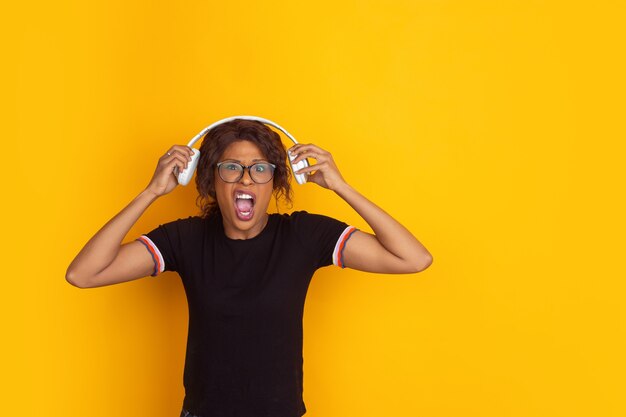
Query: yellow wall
(491, 129)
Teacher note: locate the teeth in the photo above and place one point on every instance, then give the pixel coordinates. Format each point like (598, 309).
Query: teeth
(244, 196)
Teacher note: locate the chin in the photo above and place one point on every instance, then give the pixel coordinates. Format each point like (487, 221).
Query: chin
(246, 220)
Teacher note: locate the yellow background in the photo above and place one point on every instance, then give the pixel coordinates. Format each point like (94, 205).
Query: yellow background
(492, 129)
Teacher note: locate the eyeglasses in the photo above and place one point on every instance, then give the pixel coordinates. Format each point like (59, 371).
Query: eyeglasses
(260, 172)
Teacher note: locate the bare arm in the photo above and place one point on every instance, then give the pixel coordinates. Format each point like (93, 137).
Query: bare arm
(104, 260)
(392, 248)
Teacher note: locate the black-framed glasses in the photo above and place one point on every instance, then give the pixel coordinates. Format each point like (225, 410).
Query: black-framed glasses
(260, 172)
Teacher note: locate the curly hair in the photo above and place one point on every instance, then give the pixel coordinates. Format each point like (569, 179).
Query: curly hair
(215, 143)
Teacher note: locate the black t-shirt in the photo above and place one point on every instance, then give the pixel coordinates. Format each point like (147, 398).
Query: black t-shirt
(246, 301)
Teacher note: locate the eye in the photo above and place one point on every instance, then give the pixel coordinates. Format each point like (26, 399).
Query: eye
(231, 167)
(260, 167)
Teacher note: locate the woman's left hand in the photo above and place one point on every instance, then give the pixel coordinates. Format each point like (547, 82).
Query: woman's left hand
(325, 171)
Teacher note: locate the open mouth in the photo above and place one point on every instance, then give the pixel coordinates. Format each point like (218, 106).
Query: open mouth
(244, 205)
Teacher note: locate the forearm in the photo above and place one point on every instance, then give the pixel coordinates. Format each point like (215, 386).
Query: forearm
(390, 233)
(103, 247)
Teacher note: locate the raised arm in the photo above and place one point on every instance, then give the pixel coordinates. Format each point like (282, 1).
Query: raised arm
(392, 249)
(104, 260)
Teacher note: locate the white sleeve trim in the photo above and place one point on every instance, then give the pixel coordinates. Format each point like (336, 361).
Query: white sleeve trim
(155, 252)
(340, 245)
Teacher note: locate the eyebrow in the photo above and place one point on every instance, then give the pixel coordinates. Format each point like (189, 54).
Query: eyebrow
(254, 160)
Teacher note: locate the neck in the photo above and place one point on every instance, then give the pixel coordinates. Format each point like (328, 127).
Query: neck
(233, 233)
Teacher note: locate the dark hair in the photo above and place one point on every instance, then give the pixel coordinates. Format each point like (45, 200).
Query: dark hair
(215, 143)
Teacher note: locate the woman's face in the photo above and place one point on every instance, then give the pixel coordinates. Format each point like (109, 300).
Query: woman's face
(243, 217)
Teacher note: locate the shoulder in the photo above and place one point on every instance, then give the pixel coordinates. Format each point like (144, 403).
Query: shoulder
(185, 221)
(185, 225)
(310, 224)
(304, 222)
(322, 236)
(302, 216)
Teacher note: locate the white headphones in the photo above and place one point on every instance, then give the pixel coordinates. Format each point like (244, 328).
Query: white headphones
(185, 175)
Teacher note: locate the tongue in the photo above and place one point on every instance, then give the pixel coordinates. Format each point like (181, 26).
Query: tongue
(244, 205)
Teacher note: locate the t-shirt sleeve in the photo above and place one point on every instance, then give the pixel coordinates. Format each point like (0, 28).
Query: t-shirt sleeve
(324, 237)
(164, 244)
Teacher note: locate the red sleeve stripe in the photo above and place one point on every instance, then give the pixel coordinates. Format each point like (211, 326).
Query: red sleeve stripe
(159, 264)
(341, 244)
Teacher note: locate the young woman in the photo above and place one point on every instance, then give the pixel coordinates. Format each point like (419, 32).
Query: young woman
(245, 272)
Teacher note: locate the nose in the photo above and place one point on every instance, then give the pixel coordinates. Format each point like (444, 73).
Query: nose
(246, 179)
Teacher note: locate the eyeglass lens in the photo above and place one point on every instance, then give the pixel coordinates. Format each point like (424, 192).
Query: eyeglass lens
(261, 172)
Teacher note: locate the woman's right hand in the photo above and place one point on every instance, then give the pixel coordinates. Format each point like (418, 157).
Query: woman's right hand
(163, 181)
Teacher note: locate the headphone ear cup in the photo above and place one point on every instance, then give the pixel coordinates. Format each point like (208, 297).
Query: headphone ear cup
(300, 178)
(185, 175)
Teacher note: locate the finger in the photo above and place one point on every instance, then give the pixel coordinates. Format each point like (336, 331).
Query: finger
(301, 147)
(313, 155)
(175, 167)
(310, 153)
(178, 159)
(297, 149)
(177, 152)
(311, 168)
(183, 150)
(179, 156)
(303, 156)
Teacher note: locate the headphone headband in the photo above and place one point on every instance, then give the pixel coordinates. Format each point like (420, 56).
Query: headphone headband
(185, 176)
(228, 119)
